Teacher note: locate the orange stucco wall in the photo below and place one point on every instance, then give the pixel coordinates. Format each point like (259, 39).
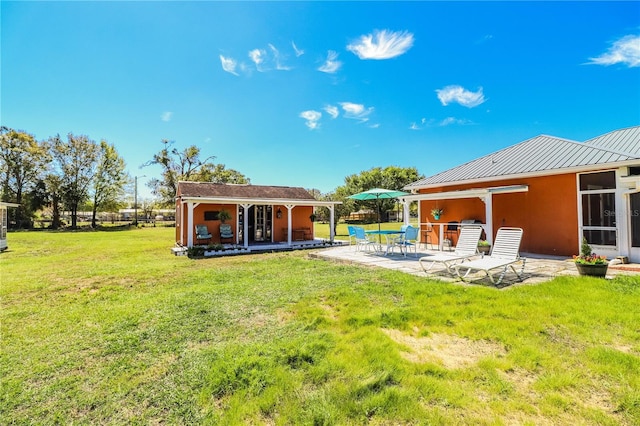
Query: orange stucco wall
(300, 219)
(547, 213)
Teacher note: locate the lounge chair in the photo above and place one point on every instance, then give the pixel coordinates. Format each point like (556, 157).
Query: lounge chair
(466, 248)
(504, 255)
(202, 233)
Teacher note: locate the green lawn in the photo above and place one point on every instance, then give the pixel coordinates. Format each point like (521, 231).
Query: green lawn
(110, 327)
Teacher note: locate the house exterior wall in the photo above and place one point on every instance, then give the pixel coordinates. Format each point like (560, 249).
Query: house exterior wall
(547, 212)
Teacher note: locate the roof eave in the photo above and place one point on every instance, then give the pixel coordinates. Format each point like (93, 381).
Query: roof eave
(278, 201)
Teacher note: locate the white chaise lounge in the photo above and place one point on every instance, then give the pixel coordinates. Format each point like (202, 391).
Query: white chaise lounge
(466, 248)
(504, 254)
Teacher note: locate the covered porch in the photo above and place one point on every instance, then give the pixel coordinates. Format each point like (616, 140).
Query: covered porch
(255, 218)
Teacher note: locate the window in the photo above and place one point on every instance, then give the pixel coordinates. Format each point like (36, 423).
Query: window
(598, 199)
(212, 215)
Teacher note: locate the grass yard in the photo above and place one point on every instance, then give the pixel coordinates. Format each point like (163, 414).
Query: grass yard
(109, 327)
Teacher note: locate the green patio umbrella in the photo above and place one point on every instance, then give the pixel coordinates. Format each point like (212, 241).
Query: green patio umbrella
(377, 194)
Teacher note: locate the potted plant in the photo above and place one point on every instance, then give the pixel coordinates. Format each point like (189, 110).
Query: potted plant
(589, 263)
(224, 216)
(484, 246)
(436, 213)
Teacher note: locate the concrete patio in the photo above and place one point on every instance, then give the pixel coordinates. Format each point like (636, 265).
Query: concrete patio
(538, 268)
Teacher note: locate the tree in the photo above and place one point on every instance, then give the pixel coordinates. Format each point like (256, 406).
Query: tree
(109, 180)
(23, 162)
(76, 162)
(390, 177)
(186, 165)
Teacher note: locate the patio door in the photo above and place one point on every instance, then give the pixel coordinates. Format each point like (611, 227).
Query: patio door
(634, 218)
(262, 223)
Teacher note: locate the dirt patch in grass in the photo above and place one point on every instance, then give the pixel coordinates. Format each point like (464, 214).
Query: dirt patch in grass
(448, 350)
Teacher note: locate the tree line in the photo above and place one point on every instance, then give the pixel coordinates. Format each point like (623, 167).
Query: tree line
(66, 174)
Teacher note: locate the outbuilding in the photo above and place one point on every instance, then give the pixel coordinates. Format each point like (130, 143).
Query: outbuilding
(257, 214)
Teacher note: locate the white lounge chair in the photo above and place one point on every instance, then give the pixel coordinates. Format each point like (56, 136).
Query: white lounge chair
(504, 255)
(467, 247)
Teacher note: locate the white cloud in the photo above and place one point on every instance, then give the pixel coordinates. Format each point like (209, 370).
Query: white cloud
(299, 52)
(332, 111)
(267, 60)
(331, 65)
(356, 111)
(229, 65)
(382, 44)
(448, 121)
(460, 95)
(277, 58)
(166, 116)
(312, 118)
(624, 51)
(257, 56)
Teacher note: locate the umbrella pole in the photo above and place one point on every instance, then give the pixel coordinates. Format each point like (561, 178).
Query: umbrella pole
(379, 236)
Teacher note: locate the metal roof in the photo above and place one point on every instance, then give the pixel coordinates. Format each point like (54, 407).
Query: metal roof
(208, 190)
(542, 154)
(626, 141)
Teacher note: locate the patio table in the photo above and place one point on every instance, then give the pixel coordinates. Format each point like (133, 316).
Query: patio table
(388, 233)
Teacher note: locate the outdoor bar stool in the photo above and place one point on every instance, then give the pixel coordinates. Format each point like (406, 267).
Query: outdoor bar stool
(426, 235)
(449, 233)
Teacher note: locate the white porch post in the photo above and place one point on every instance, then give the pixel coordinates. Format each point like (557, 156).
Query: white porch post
(190, 206)
(289, 223)
(332, 230)
(488, 212)
(245, 225)
(405, 212)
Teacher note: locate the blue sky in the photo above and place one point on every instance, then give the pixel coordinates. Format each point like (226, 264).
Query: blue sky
(306, 93)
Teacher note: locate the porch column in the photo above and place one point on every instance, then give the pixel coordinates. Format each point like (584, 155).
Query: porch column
(190, 206)
(245, 225)
(289, 223)
(405, 212)
(488, 212)
(332, 229)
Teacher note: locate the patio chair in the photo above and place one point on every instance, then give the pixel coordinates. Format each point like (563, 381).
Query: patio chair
(225, 232)
(361, 239)
(352, 234)
(202, 233)
(504, 254)
(466, 248)
(407, 240)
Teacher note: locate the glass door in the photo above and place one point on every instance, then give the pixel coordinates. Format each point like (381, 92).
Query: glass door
(634, 218)
(263, 221)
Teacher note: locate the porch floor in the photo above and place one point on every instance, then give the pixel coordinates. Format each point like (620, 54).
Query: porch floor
(271, 247)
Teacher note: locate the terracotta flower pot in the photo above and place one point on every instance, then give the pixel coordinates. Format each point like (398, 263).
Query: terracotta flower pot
(592, 270)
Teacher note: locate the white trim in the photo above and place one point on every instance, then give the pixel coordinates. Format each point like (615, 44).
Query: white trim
(466, 193)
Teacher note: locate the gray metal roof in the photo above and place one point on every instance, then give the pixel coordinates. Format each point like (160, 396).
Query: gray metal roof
(626, 141)
(542, 154)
